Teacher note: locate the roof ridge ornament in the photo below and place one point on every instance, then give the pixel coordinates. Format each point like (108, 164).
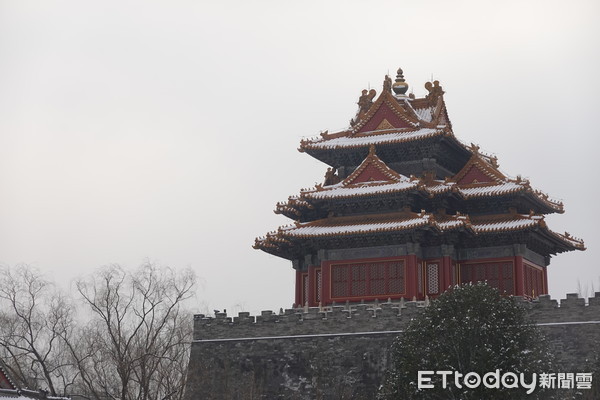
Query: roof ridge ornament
(365, 101)
(331, 177)
(387, 84)
(494, 161)
(400, 86)
(435, 91)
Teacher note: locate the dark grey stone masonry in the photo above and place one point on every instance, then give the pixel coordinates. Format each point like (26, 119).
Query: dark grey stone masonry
(342, 352)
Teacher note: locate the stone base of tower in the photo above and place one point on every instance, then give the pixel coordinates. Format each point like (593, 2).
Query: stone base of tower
(410, 271)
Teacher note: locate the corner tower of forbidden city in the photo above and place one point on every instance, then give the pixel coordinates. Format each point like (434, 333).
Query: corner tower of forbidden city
(406, 210)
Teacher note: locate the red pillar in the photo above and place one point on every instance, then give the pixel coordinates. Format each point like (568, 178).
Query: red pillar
(326, 277)
(411, 276)
(546, 290)
(519, 276)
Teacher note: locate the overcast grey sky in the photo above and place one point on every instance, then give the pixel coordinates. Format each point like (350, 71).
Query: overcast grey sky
(168, 130)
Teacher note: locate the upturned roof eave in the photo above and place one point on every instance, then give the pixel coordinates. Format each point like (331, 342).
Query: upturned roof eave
(500, 224)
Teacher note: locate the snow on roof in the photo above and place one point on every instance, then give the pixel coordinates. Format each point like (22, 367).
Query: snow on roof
(26, 394)
(357, 141)
(424, 114)
(299, 202)
(435, 187)
(505, 225)
(439, 186)
(13, 395)
(355, 228)
(508, 187)
(575, 242)
(491, 190)
(495, 223)
(450, 224)
(368, 188)
(338, 226)
(361, 190)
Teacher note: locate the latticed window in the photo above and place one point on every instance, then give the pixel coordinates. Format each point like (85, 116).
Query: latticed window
(362, 280)
(359, 280)
(433, 280)
(497, 274)
(319, 279)
(396, 277)
(534, 279)
(539, 282)
(377, 279)
(304, 288)
(340, 275)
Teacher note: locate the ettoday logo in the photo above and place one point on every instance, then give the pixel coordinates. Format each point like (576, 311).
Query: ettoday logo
(506, 380)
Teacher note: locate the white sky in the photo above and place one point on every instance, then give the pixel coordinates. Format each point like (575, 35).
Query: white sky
(134, 130)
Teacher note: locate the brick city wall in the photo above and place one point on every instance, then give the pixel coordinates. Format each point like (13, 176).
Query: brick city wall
(342, 352)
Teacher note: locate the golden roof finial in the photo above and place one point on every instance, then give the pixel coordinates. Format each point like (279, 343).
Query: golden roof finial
(400, 86)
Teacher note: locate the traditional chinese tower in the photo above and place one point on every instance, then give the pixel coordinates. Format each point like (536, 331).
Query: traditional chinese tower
(407, 210)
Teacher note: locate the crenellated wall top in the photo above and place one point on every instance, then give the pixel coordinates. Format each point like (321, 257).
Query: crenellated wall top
(369, 318)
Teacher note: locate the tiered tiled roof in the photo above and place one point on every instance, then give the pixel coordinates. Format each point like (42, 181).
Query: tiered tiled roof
(26, 394)
(406, 220)
(364, 202)
(491, 183)
(389, 122)
(5, 381)
(402, 119)
(9, 390)
(480, 178)
(335, 227)
(388, 136)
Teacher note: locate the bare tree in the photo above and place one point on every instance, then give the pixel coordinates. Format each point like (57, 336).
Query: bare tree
(34, 318)
(136, 343)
